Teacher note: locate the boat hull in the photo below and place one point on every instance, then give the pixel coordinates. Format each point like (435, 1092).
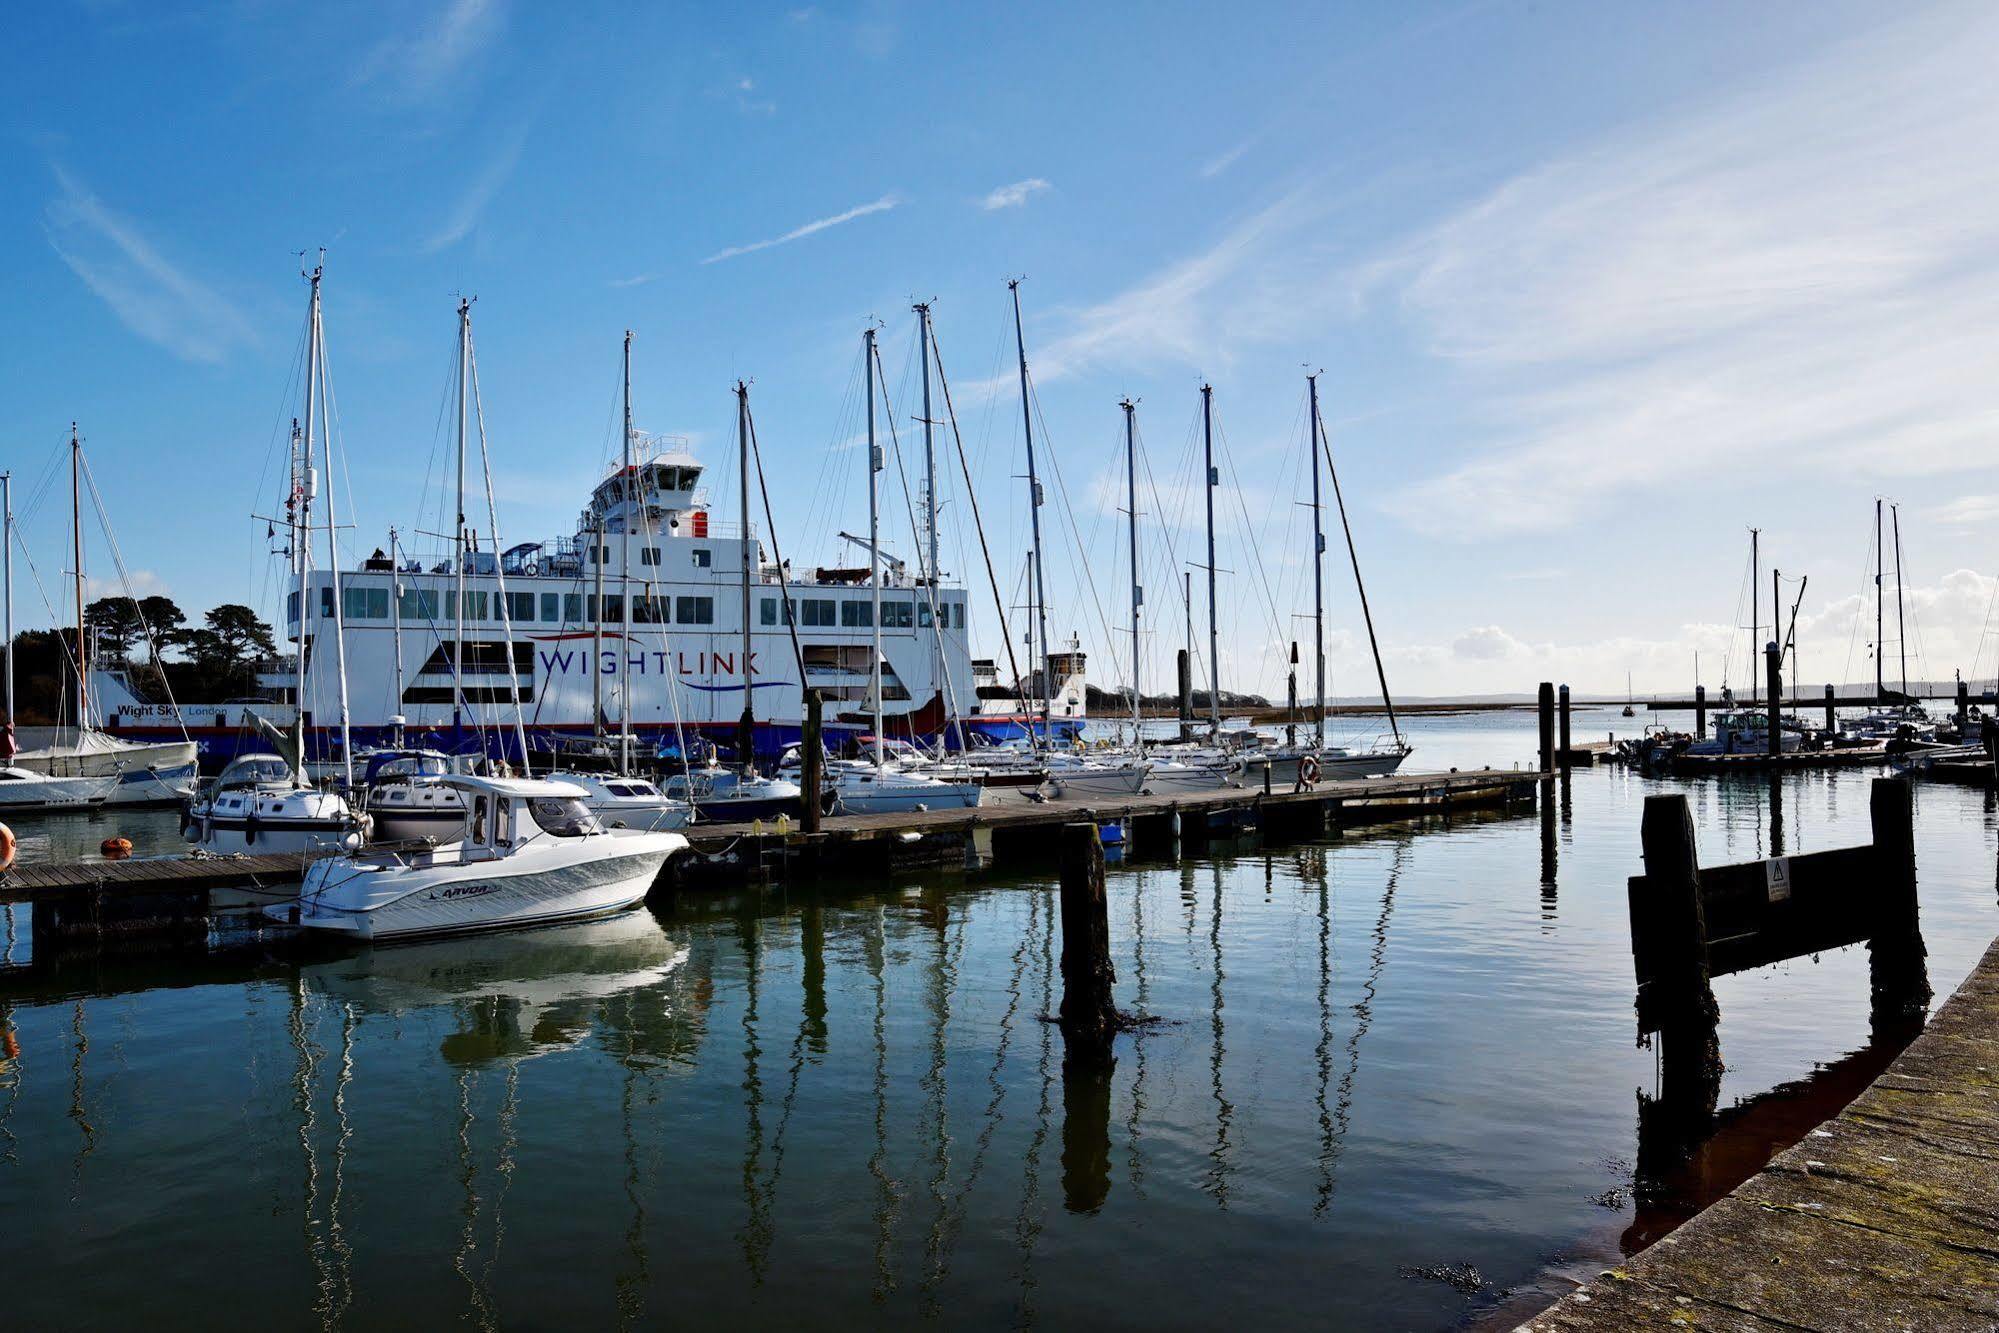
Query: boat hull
(1083, 784)
(397, 902)
(145, 774)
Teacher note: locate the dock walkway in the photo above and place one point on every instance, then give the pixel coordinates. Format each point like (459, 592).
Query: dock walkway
(1885, 1217)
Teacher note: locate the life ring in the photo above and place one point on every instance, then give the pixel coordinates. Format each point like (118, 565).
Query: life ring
(1308, 770)
(115, 849)
(7, 847)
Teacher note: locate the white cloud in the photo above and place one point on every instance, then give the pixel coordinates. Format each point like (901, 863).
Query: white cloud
(1802, 270)
(479, 192)
(145, 583)
(1487, 643)
(415, 65)
(1216, 165)
(1014, 195)
(881, 205)
(151, 296)
(1966, 511)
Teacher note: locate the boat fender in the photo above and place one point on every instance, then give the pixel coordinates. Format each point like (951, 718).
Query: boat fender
(7, 847)
(115, 849)
(189, 826)
(250, 825)
(1308, 769)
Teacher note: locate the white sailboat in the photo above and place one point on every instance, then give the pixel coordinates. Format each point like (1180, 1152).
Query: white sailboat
(531, 853)
(264, 802)
(138, 773)
(24, 792)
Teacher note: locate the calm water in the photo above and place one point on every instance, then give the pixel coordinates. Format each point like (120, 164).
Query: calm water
(1396, 1051)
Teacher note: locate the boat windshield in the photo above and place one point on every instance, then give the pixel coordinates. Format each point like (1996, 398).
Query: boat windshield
(564, 817)
(255, 770)
(404, 767)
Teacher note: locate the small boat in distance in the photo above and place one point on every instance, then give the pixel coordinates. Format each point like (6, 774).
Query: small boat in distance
(22, 791)
(531, 853)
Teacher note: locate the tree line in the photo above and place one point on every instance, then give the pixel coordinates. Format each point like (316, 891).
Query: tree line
(214, 659)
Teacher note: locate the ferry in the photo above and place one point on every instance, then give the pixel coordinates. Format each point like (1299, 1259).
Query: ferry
(651, 617)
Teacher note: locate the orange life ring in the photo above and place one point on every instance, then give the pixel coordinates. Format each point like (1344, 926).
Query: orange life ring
(115, 849)
(7, 847)
(1308, 769)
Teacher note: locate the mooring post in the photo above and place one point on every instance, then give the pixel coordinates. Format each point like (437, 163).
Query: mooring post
(1700, 712)
(1675, 925)
(1185, 668)
(1898, 976)
(1963, 707)
(1831, 710)
(811, 758)
(1546, 706)
(1088, 1017)
(1562, 753)
(1773, 671)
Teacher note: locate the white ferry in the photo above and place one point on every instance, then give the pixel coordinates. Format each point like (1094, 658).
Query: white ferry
(636, 621)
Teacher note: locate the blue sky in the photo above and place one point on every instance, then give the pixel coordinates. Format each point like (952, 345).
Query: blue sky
(1594, 289)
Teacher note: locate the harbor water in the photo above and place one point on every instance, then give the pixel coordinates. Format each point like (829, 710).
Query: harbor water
(1392, 1083)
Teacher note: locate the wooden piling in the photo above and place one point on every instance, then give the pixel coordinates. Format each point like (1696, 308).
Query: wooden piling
(1773, 673)
(811, 762)
(1186, 682)
(1545, 705)
(1963, 706)
(1898, 976)
(1562, 712)
(1831, 710)
(1673, 940)
(1088, 1016)
(1700, 712)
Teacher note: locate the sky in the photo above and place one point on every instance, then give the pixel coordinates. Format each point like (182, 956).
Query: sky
(1592, 291)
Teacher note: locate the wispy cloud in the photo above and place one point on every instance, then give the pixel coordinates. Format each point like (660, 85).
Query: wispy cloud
(636, 280)
(1216, 165)
(151, 296)
(1014, 195)
(1967, 511)
(881, 205)
(466, 214)
(415, 65)
(1803, 270)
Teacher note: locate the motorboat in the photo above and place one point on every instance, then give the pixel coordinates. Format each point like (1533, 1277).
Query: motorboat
(22, 791)
(260, 805)
(1081, 777)
(863, 788)
(1745, 731)
(628, 802)
(724, 795)
(531, 852)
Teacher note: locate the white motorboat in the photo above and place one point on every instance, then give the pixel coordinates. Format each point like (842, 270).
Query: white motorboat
(22, 791)
(532, 852)
(724, 796)
(628, 802)
(142, 773)
(259, 805)
(862, 788)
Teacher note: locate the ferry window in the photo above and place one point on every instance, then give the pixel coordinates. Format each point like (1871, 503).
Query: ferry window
(614, 608)
(818, 611)
(572, 608)
(520, 606)
(898, 615)
(770, 611)
(857, 615)
(291, 606)
(694, 610)
(419, 604)
(364, 603)
(475, 606)
(649, 611)
(649, 555)
(326, 603)
(551, 606)
(703, 558)
(923, 614)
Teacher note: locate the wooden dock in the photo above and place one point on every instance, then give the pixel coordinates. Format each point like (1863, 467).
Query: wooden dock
(1794, 761)
(1885, 1217)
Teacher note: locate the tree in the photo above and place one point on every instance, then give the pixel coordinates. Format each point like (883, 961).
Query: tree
(115, 623)
(167, 621)
(239, 637)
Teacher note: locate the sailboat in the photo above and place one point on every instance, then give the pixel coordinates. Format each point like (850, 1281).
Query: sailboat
(264, 802)
(123, 772)
(1630, 699)
(1903, 720)
(1323, 762)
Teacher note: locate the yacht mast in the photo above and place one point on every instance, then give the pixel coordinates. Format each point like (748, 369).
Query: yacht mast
(76, 539)
(937, 667)
(1755, 614)
(299, 512)
(458, 545)
(1137, 590)
(1901, 631)
(874, 544)
(747, 724)
(1038, 591)
(1879, 687)
(318, 355)
(1318, 576)
(1214, 630)
(630, 489)
(1360, 588)
(396, 622)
